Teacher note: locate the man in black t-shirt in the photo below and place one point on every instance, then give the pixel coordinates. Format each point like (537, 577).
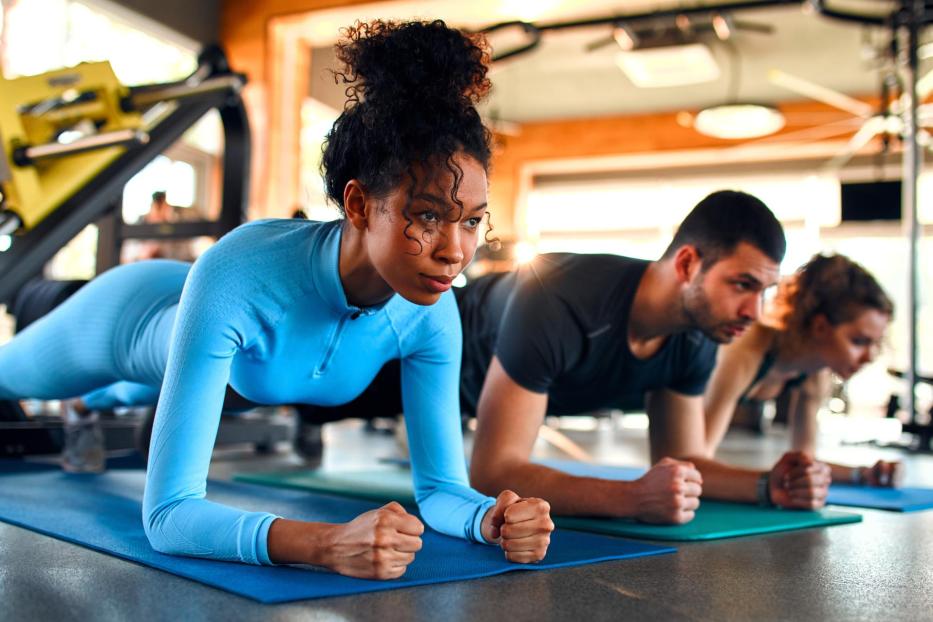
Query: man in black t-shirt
(569, 334)
(558, 326)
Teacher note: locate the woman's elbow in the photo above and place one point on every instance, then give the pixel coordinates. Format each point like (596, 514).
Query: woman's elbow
(153, 525)
(164, 535)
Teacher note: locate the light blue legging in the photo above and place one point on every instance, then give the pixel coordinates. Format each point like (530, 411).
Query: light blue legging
(108, 343)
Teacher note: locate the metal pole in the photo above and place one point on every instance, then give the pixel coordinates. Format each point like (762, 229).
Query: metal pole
(24, 156)
(910, 27)
(149, 97)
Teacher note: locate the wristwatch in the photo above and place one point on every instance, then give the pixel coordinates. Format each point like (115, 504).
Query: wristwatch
(763, 490)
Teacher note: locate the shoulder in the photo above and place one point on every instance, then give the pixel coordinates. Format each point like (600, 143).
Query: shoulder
(572, 267)
(414, 322)
(262, 264)
(274, 234)
(263, 244)
(427, 329)
(697, 347)
(565, 276)
(753, 346)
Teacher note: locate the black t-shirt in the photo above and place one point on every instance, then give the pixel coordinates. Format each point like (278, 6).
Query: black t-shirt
(559, 326)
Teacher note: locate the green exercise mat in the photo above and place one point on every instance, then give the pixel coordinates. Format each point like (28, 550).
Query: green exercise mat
(391, 484)
(714, 520)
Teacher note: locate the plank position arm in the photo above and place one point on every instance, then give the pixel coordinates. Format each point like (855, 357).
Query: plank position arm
(509, 416)
(803, 407)
(692, 427)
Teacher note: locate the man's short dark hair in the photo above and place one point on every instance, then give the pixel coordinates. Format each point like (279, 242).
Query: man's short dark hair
(724, 219)
(158, 196)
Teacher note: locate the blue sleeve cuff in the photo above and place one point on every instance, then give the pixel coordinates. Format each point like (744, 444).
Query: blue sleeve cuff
(263, 540)
(477, 535)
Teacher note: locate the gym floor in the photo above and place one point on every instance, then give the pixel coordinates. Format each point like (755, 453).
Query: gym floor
(881, 568)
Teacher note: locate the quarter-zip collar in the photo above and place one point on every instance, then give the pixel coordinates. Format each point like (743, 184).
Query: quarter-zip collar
(324, 263)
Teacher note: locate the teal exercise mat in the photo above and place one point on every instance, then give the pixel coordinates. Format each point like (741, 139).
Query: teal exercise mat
(380, 485)
(714, 520)
(891, 499)
(393, 481)
(103, 512)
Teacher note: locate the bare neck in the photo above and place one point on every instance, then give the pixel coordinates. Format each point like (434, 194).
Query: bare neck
(657, 311)
(362, 283)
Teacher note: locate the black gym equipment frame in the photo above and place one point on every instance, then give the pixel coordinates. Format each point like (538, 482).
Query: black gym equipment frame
(102, 196)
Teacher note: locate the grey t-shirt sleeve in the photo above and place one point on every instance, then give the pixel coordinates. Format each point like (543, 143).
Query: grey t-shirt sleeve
(536, 336)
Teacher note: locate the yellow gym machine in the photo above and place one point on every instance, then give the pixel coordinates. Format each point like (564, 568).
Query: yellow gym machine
(72, 138)
(58, 131)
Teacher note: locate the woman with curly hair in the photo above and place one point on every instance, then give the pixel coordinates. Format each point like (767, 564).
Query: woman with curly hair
(829, 317)
(296, 311)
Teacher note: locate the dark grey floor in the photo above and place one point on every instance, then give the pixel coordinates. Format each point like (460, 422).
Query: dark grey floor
(880, 569)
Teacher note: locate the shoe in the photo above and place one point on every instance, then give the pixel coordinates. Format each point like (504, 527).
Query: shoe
(83, 451)
(309, 441)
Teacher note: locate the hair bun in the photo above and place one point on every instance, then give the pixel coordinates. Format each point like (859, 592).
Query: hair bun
(389, 64)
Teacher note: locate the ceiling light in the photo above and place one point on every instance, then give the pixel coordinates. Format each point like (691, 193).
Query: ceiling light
(674, 65)
(683, 23)
(738, 121)
(722, 26)
(625, 37)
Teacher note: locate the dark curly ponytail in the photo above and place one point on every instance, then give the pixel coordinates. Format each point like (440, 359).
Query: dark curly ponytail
(832, 285)
(412, 89)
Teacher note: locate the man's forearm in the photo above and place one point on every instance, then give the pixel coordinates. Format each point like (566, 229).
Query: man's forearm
(567, 494)
(726, 482)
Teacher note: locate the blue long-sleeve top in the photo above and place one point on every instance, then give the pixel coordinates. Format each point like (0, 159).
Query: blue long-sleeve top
(265, 311)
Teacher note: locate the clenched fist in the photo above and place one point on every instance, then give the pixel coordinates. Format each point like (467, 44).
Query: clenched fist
(799, 482)
(669, 493)
(521, 527)
(882, 473)
(378, 544)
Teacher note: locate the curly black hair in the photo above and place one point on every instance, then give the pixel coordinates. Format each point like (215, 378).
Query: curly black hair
(411, 94)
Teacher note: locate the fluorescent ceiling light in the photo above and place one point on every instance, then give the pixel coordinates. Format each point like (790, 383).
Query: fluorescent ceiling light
(674, 65)
(738, 121)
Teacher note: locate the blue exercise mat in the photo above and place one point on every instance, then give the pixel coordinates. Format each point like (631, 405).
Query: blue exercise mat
(892, 499)
(103, 512)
